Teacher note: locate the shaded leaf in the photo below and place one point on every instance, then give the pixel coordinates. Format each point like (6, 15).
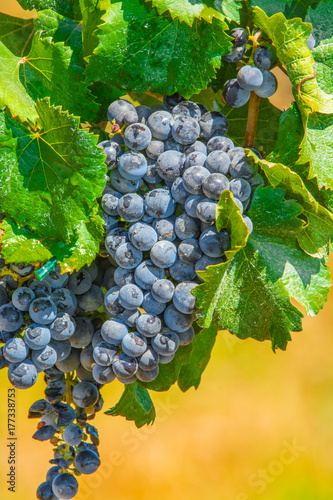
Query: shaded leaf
(64, 7)
(92, 12)
(12, 93)
(135, 404)
(50, 178)
(321, 19)
(16, 33)
(203, 343)
(140, 51)
(291, 9)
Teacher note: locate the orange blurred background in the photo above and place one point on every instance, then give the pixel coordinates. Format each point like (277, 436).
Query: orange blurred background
(260, 426)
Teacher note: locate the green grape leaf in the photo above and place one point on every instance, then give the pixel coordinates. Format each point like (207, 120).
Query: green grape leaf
(49, 71)
(16, 33)
(251, 290)
(291, 9)
(61, 29)
(210, 293)
(190, 374)
(314, 238)
(140, 51)
(188, 10)
(135, 404)
(12, 93)
(64, 7)
(231, 10)
(169, 373)
(92, 12)
(50, 178)
(20, 245)
(314, 296)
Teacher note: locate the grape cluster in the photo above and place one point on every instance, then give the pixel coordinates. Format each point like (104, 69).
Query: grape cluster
(250, 77)
(159, 210)
(130, 310)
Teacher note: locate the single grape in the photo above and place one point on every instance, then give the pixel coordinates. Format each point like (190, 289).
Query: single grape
(186, 337)
(104, 353)
(182, 271)
(137, 136)
(218, 162)
(240, 37)
(57, 280)
(162, 291)
(113, 331)
(163, 254)
(147, 375)
(148, 360)
(249, 77)
(214, 243)
(144, 113)
(10, 318)
(133, 344)
(110, 202)
(240, 168)
(62, 327)
(22, 298)
(213, 186)
(130, 317)
(42, 311)
(65, 300)
(152, 306)
(148, 325)
(132, 165)
(213, 123)
(124, 366)
(113, 151)
(127, 256)
(165, 343)
(176, 320)
(183, 300)
(142, 236)
(103, 374)
(151, 176)
(109, 222)
(197, 146)
(37, 336)
(111, 302)
(240, 188)
(155, 149)
(249, 223)
(186, 227)
(193, 179)
(205, 261)
(311, 42)
(45, 491)
(186, 108)
(123, 276)
(119, 183)
(22, 375)
(87, 461)
(195, 159)
(65, 486)
(72, 435)
(61, 347)
(54, 392)
(189, 250)
(164, 360)
(206, 210)
(130, 296)
(160, 125)
(79, 282)
(264, 58)
(91, 300)
(83, 334)
(178, 191)
(268, 86)
(234, 95)
(191, 204)
(172, 145)
(122, 111)
(40, 288)
(115, 238)
(15, 350)
(170, 165)
(159, 203)
(185, 130)
(86, 356)
(45, 358)
(219, 143)
(170, 101)
(236, 54)
(165, 228)
(85, 394)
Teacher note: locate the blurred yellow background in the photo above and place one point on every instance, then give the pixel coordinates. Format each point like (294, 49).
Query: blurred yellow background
(260, 426)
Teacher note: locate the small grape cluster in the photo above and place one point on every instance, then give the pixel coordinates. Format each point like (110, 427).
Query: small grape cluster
(159, 211)
(256, 78)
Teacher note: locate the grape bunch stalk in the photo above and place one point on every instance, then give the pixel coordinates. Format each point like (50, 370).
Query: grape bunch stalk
(132, 308)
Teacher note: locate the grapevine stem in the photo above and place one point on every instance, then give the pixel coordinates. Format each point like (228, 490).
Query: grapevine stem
(282, 68)
(252, 118)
